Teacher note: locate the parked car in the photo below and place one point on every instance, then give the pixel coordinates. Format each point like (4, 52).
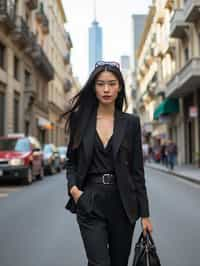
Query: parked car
(20, 158)
(63, 155)
(51, 159)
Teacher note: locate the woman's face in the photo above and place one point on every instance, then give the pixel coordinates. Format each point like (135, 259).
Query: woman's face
(107, 87)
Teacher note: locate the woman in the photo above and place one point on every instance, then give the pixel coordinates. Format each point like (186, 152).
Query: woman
(105, 171)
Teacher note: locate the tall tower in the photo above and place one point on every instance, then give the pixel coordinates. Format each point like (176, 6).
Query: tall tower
(95, 42)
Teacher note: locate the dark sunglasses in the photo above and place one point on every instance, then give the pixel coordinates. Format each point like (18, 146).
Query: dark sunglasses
(104, 63)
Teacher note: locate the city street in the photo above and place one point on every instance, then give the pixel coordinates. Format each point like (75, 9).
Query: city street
(35, 229)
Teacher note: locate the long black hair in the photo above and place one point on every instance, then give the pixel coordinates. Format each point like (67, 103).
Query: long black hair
(83, 104)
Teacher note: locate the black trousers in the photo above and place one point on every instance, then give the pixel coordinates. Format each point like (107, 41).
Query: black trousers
(105, 228)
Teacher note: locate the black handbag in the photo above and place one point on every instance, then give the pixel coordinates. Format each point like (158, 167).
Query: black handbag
(145, 252)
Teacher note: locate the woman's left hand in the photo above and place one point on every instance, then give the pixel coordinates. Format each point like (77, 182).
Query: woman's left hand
(146, 225)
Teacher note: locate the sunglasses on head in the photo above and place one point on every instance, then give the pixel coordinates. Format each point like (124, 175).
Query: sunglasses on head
(104, 63)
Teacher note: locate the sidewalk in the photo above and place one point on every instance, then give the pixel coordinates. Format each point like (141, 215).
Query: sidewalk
(188, 172)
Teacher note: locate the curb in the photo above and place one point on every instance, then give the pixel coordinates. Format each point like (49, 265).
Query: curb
(188, 178)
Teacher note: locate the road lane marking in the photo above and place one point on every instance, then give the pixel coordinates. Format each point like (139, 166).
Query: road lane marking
(8, 189)
(5, 191)
(3, 195)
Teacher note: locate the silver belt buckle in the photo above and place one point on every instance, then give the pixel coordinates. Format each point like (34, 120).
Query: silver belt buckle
(104, 182)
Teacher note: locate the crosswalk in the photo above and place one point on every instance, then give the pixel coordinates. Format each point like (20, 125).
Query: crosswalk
(5, 191)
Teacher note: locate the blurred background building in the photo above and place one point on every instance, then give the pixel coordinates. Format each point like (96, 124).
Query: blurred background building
(138, 21)
(168, 76)
(36, 76)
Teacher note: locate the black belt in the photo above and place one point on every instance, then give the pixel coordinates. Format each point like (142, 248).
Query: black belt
(105, 179)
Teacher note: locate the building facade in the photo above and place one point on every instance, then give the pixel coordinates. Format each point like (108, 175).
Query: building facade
(138, 22)
(174, 98)
(25, 69)
(35, 69)
(185, 83)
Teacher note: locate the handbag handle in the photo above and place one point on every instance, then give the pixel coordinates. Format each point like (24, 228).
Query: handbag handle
(147, 238)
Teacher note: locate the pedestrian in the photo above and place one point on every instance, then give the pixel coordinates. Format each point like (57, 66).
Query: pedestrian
(150, 152)
(171, 154)
(105, 173)
(163, 154)
(145, 150)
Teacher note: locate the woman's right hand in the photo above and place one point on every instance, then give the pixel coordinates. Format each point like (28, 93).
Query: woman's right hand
(76, 193)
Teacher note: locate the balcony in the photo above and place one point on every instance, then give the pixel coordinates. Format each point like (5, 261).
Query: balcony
(7, 13)
(21, 33)
(161, 16)
(192, 10)
(42, 62)
(66, 58)
(169, 4)
(187, 79)
(42, 19)
(67, 85)
(31, 45)
(32, 4)
(177, 25)
(45, 25)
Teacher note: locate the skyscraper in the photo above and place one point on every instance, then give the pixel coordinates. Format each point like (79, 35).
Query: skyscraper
(95, 42)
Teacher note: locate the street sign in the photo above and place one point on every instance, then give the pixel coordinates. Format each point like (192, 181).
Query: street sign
(193, 112)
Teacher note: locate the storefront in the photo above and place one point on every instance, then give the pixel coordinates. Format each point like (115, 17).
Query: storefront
(190, 115)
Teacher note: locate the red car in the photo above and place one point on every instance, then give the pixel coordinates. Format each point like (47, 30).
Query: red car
(20, 158)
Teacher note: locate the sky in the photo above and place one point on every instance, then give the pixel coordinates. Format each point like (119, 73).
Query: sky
(115, 19)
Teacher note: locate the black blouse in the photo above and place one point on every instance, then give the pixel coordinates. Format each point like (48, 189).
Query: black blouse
(102, 159)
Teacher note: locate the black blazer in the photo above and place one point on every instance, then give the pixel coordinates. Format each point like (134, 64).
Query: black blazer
(128, 164)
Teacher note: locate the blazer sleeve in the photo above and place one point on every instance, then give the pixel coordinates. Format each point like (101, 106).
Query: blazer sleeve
(71, 167)
(138, 170)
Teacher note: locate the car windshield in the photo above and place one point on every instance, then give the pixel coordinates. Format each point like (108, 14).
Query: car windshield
(62, 150)
(47, 149)
(19, 145)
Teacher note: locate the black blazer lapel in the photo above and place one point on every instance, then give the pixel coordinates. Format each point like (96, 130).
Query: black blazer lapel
(119, 130)
(89, 138)
(90, 131)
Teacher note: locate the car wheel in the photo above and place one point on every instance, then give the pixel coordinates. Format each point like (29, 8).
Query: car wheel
(41, 175)
(59, 169)
(52, 169)
(29, 178)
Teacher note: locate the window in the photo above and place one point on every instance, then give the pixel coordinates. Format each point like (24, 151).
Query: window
(186, 54)
(16, 68)
(27, 125)
(19, 145)
(27, 80)
(199, 42)
(2, 55)
(16, 112)
(2, 113)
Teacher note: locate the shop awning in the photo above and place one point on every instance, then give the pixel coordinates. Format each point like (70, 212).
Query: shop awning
(167, 107)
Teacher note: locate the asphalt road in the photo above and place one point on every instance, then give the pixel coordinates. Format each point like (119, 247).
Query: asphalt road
(35, 229)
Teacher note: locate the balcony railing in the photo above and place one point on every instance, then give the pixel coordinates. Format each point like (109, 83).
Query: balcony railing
(192, 10)
(45, 25)
(42, 62)
(42, 19)
(21, 32)
(7, 13)
(186, 79)
(177, 24)
(32, 4)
